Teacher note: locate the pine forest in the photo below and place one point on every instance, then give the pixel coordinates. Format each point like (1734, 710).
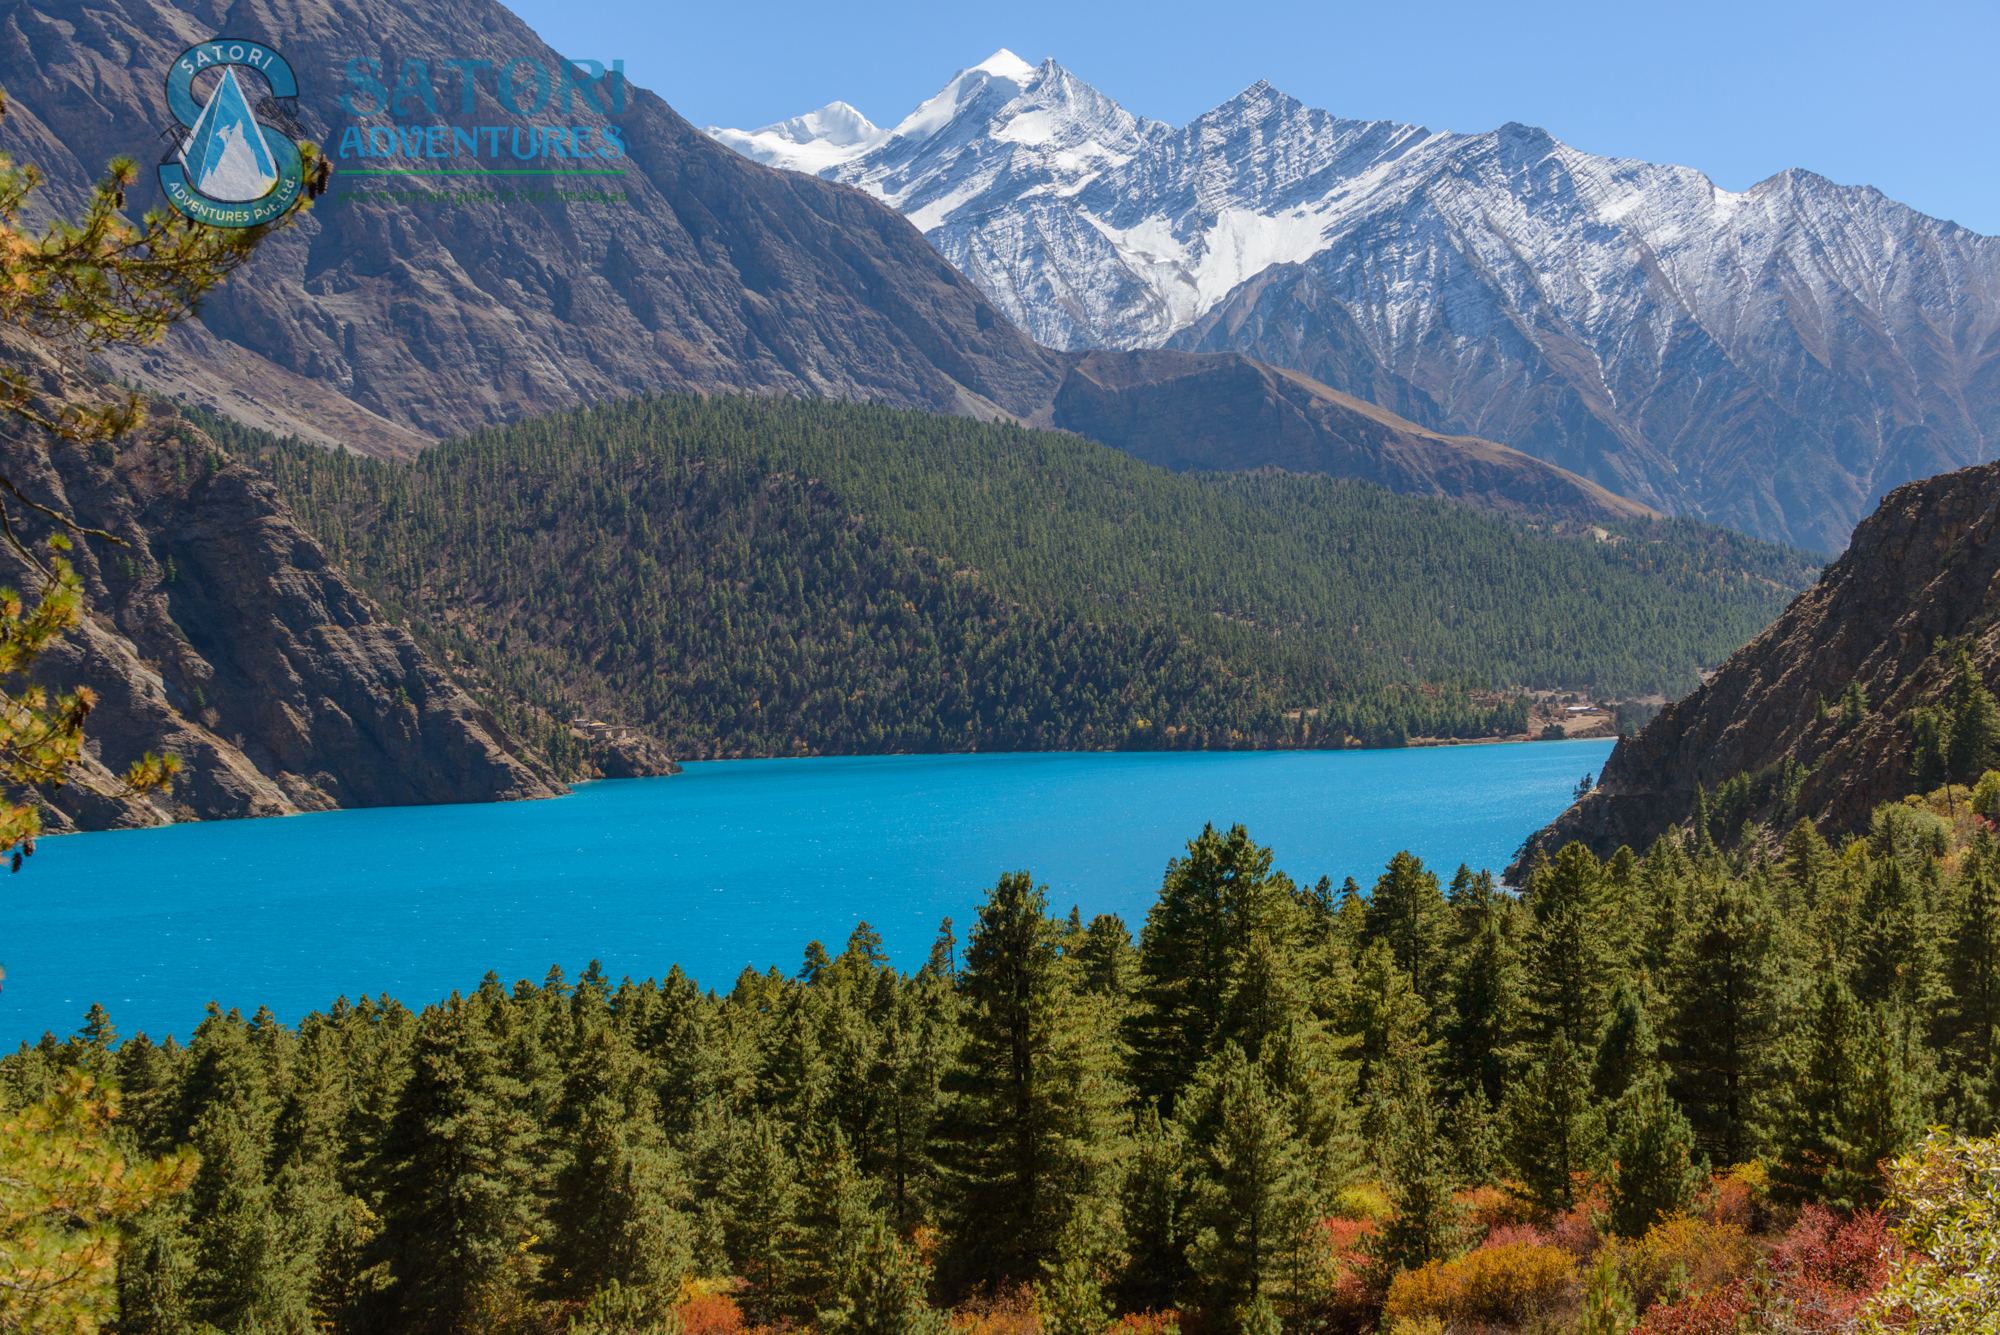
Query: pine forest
(1658, 1088)
(750, 577)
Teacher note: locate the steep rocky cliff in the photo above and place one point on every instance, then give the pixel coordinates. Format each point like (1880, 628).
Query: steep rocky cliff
(386, 323)
(1223, 412)
(221, 634)
(1924, 567)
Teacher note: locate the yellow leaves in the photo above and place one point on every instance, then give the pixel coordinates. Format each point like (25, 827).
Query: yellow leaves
(63, 1190)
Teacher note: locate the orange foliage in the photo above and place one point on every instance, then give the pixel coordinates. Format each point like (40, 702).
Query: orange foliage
(711, 1314)
(1511, 1283)
(1146, 1323)
(1485, 1209)
(1006, 1312)
(1688, 1255)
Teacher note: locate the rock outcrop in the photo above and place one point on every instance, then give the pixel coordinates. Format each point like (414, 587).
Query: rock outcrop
(1924, 567)
(221, 634)
(1224, 412)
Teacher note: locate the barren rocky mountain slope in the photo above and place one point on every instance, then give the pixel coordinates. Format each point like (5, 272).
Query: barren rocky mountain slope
(220, 633)
(1775, 359)
(387, 325)
(1924, 567)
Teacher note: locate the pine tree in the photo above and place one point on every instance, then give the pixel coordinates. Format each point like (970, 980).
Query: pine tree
(1552, 1131)
(1568, 953)
(1407, 910)
(1033, 1141)
(760, 1199)
(1153, 1204)
(455, 1187)
(1484, 1004)
(1212, 903)
(1628, 1048)
(1607, 1302)
(1253, 1199)
(1657, 1175)
(615, 1214)
(1416, 1158)
(1971, 1029)
(1975, 721)
(1723, 1021)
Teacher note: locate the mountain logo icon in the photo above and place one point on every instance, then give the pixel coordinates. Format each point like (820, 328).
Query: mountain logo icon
(233, 163)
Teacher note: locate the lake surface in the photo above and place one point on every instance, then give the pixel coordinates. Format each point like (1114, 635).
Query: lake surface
(731, 863)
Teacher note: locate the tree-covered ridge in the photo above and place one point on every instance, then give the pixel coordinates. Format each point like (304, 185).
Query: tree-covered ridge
(1281, 1105)
(744, 576)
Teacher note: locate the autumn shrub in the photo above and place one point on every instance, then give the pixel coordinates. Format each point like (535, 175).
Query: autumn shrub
(1510, 1284)
(1508, 1235)
(1355, 1295)
(710, 1309)
(1485, 1209)
(1147, 1323)
(1738, 1196)
(1715, 1312)
(1007, 1311)
(1363, 1201)
(1579, 1230)
(1684, 1257)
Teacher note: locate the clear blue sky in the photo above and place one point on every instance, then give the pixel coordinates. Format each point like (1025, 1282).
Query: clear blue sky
(1901, 97)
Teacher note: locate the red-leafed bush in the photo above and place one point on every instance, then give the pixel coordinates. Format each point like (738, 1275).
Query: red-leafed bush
(1711, 1313)
(711, 1314)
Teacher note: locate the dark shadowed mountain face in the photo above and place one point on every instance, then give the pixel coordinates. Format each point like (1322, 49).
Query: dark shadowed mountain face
(1226, 413)
(391, 324)
(1922, 570)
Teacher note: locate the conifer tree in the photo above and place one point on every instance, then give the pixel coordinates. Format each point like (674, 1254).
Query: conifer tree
(1552, 1130)
(759, 1222)
(456, 1194)
(1416, 1159)
(1972, 1027)
(1483, 1010)
(1253, 1201)
(1657, 1175)
(1628, 1048)
(1153, 1204)
(1032, 1143)
(1607, 1302)
(1568, 954)
(1212, 903)
(614, 1214)
(1723, 1021)
(1407, 911)
(1975, 721)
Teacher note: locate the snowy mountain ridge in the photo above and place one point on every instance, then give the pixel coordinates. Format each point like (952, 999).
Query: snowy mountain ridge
(1775, 359)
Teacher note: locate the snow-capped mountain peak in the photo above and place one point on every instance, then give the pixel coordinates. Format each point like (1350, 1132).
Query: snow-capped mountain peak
(1775, 358)
(812, 143)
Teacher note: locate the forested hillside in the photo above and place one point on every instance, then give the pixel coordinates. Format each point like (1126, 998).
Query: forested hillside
(1675, 1073)
(756, 577)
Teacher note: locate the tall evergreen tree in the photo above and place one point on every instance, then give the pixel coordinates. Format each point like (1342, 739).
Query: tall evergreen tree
(1723, 1020)
(1971, 1027)
(1568, 950)
(1408, 911)
(1032, 1145)
(456, 1191)
(1417, 1161)
(1483, 1007)
(1212, 903)
(1552, 1130)
(1253, 1203)
(1657, 1174)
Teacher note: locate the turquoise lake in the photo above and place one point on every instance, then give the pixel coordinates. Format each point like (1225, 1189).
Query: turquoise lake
(731, 863)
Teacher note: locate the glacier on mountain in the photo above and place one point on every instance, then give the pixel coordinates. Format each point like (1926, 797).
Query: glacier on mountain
(1775, 359)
